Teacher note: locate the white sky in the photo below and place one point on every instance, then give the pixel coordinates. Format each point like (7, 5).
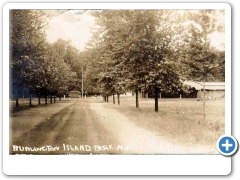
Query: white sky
(69, 26)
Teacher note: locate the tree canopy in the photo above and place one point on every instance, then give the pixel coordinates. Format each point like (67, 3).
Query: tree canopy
(146, 51)
(137, 51)
(43, 68)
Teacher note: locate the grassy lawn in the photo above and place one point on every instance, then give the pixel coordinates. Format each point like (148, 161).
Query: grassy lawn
(178, 120)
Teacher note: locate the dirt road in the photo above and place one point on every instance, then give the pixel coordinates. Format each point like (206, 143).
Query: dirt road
(86, 127)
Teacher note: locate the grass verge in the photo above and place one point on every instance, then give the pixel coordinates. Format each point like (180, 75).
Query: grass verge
(178, 121)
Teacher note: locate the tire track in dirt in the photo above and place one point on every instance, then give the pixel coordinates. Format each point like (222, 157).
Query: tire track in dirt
(74, 130)
(44, 132)
(75, 125)
(98, 135)
(22, 122)
(83, 129)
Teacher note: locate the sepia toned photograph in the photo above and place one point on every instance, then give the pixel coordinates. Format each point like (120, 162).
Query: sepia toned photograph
(115, 81)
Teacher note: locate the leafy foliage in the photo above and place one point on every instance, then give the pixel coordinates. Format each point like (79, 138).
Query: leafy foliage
(41, 67)
(204, 63)
(136, 50)
(26, 48)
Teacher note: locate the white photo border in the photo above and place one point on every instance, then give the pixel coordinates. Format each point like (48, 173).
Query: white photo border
(115, 164)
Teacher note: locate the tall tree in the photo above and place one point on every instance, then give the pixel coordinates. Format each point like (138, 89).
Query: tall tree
(103, 48)
(60, 79)
(201, 58)
(140, 47)
(163, 72)
(26, 49)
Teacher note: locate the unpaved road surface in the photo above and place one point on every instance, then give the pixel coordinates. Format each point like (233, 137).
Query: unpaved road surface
(83, 126)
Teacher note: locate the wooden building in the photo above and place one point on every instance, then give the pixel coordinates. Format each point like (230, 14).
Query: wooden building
(75, 94)
(213, 90)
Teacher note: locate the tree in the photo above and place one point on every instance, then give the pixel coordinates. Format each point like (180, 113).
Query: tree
(101, 48)
(201, 59)
(26, 49)
(91, 71)
(59, 77)
(138, 45)
(161, 54)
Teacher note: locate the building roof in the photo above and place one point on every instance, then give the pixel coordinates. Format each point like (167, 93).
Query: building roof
(208, 85)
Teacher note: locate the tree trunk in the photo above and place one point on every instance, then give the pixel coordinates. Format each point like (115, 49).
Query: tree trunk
(113, 98)
(204, 114)
(17, 103)
(30, 100)
(156, 98)
(39, 100)
(45, 99)
(51, 99)
(107, 98)
(54, 98)
(118, 97)
(60, 98)
(137, 102)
